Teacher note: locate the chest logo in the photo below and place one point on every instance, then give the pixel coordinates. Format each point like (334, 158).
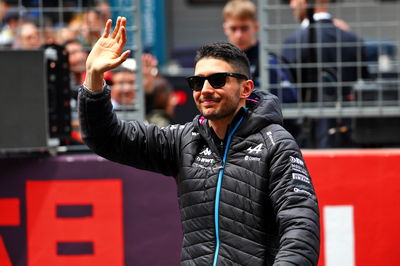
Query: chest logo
(206, 152)
(256, 149)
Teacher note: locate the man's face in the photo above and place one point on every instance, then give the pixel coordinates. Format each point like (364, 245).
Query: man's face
(241, 32)
(76, 57)
(299, 8)
(219, 103)
(29, 38)
(123, 88)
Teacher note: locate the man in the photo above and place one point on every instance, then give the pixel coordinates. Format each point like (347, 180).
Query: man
(123, 91)
(9, 21)
(338, 58)
(28, 37)
(241, 27)
(244, 192)
(164, 105)
(76, 58)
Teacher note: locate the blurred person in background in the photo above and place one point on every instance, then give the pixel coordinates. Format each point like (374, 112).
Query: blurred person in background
(8, 31)
(3, 9)
(241, 28)
(164, 104)
(9, 22)
(92, 26)
(28, 37)
(123, 87)
(103, 7)
(345, 54)
(77, 58)
(72, 31)
(123, 82)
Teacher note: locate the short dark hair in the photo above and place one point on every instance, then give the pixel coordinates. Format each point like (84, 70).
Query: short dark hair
(226, 52)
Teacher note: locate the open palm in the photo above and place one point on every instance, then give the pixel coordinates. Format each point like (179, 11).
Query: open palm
(107, 53)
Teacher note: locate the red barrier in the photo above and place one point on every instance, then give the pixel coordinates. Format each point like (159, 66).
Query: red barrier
(358, 192)
(101, 229)
(367, 182)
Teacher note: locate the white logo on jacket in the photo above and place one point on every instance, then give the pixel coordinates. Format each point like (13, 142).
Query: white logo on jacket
(256, 149)
(206, 152)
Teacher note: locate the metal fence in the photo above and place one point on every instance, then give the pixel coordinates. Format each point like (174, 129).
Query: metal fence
(32, 24)
(65, 31)
(322, 64)
(322, 87)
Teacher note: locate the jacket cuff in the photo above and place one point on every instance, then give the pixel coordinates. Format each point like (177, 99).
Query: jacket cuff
(94, 94)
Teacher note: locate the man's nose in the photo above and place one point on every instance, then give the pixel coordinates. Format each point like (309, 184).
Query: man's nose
(238, 33)
(207, 88)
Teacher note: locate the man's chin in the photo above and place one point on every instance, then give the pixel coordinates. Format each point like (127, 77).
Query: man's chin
(210, 115)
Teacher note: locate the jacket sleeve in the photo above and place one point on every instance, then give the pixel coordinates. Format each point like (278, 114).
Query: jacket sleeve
(294, 202)
(133, 143)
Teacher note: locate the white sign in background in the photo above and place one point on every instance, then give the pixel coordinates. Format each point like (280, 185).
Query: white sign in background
(339, 235)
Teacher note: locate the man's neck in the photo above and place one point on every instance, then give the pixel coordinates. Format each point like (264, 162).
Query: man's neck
(252, 44)
(220, 126)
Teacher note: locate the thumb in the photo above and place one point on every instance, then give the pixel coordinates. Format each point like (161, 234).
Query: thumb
(119, 60)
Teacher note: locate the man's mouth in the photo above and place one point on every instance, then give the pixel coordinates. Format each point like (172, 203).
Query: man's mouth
(209, 101)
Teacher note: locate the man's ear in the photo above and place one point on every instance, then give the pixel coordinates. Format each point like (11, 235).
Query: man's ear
(247, 89)
(225, 28)
(256, 26)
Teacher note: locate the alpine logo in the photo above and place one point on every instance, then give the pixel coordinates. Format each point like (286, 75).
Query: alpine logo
(206, 152)
(256, 149)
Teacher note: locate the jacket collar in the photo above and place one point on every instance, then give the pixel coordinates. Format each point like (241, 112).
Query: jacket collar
(211, 137)
(262, 109)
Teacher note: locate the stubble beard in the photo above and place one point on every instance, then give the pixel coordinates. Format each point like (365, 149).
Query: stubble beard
(221, 113)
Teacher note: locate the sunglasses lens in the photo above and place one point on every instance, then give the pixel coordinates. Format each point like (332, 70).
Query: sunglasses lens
(217, 80)
(196, 83)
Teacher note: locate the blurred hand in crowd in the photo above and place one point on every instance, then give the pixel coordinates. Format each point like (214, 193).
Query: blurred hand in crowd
(150, 72)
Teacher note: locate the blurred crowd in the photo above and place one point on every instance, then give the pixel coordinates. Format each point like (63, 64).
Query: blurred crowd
(79, 27)
(23, 28)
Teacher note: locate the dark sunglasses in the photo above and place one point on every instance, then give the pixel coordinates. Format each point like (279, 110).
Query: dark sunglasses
(216, 80)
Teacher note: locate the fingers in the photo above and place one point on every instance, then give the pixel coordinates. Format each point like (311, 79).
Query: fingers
(119, 34)
(107, 28)
(123, 35)
(149, 61)
(117, 27)
(123, 21)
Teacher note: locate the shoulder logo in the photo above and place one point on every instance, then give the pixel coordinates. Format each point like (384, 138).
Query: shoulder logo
(269, 134)
(256, 149)
(206, 152)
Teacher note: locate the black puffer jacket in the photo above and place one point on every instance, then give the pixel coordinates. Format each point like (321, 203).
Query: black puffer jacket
(251, 204)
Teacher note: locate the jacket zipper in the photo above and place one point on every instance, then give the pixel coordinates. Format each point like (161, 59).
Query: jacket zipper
(218, 192)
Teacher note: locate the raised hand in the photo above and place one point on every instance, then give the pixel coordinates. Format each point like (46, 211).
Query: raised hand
(106, 54)
(149, 64)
